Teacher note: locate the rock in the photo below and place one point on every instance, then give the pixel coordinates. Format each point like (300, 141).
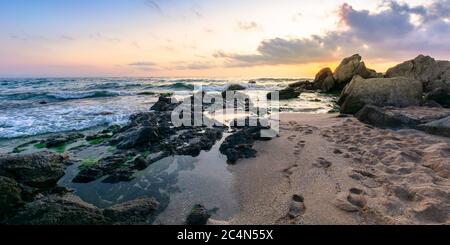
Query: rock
(400, 117)
(350, 67)
(164, 104)
(55, 210)
(423, 68)
(439, 127)
(40, 170)
(324, 80)
(107, 166)
(440, 96)
(140, 137)
(132, 212)
(399, 92)
(286, 94)
(62, 139)
(240, 144)
(198, 216)
(236, 87)
(302, 85)
(10, 195)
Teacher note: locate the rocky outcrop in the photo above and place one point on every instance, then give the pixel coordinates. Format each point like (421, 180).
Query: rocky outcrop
(39, 170)
(424, 69)
(434, 74)
(150, 136)
(350, 67)
(324, 80)
(400, 117)
(70, 210)
(439, 127)
(398, 92)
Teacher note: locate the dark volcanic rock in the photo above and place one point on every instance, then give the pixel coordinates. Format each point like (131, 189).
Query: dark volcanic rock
(139, 137)
(302, 85)
(54, 210)
(40, 170)
(132, 212)
(286, 94)
(71, 210)
(106, 166)
(164, 104)
(62, 139)
(152, 133)
(10, 194)
(236, 87)
(240, 144)
(198, 216)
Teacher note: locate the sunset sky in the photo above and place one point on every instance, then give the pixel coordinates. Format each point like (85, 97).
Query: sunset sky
(214, 38)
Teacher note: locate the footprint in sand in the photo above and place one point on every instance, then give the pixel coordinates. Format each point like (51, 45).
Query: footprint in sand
(299, 147)
(352, 201)
(322, 163)
(297, 207)
(292, 138)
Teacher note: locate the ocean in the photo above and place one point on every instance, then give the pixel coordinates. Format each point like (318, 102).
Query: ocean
(37, 106)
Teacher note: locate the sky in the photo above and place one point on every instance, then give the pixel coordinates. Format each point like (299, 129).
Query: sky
(214, 38)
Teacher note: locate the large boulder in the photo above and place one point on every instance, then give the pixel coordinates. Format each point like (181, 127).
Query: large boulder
(439, 127)
(10, 194)
(400, 117)
(424, 69)
(40, 170)
(398, 92)
(350, 67)
(324, 80)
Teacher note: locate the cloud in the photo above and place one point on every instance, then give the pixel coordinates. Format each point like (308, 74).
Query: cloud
(387, 33)
(283, 51)
(142, 63)
(145, 65)
(196, 65)
(248, 26)
(154, 5)
(67, 38)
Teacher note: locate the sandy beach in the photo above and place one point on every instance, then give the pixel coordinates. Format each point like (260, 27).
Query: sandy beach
(325, 169)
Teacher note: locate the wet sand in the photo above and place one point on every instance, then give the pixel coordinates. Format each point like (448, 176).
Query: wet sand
(329, 170)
